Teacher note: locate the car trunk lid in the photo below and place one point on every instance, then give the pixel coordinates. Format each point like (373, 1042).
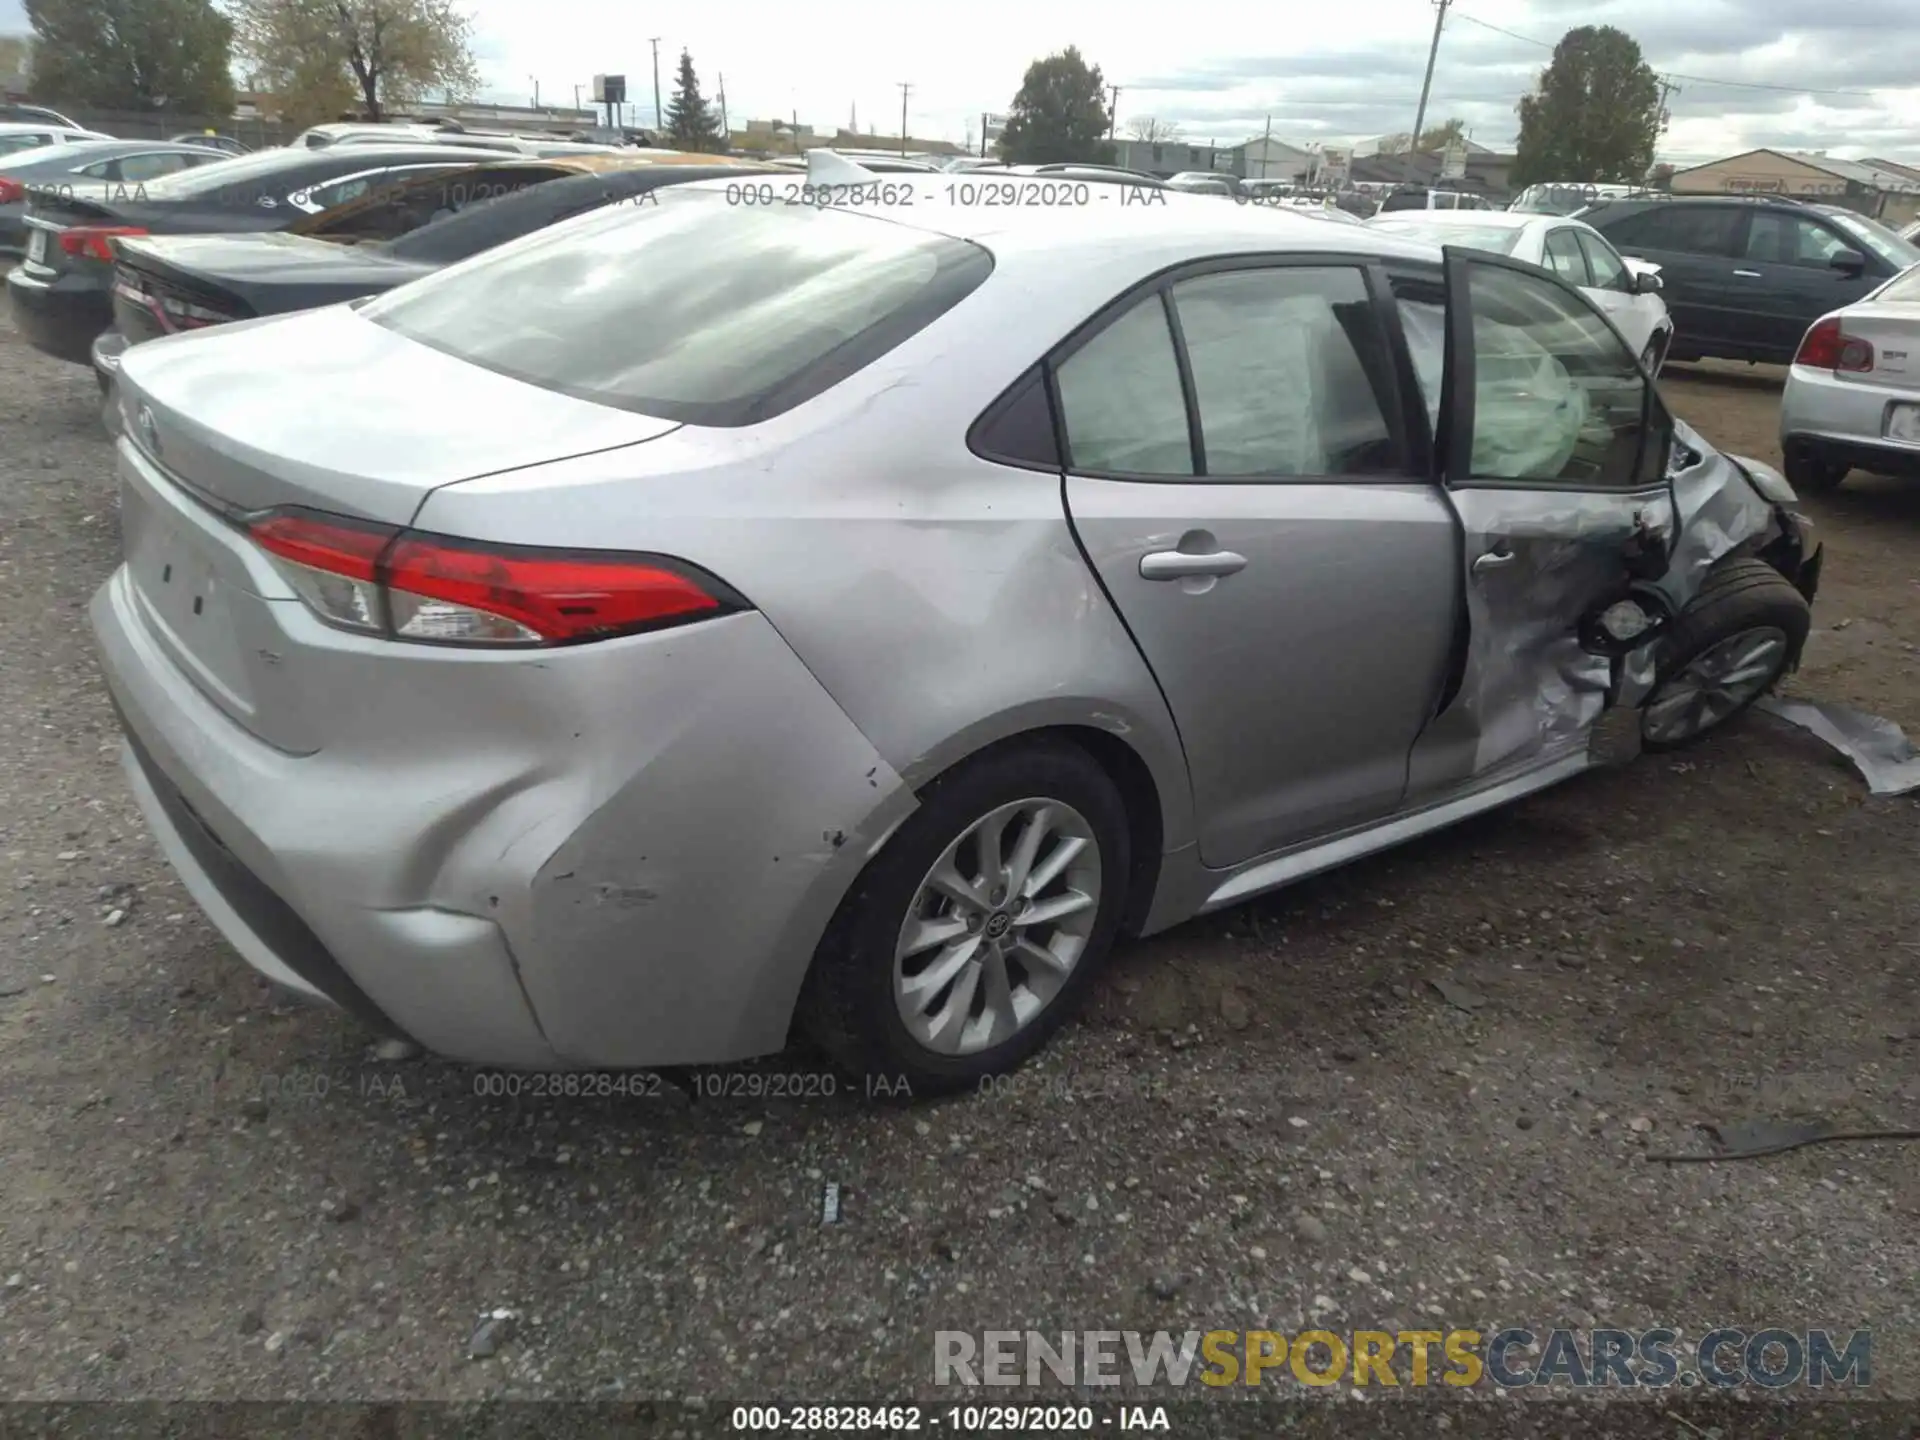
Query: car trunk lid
(1892, 327)
(187, 282)
(374, 423)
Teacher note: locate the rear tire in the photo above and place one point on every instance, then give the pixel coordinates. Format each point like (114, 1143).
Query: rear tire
(1812, 471)
(1731, 645)
(889, 1012)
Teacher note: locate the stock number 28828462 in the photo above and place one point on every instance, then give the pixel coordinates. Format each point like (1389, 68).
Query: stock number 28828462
(877, 195)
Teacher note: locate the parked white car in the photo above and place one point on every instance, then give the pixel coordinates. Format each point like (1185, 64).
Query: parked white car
(1627, 291)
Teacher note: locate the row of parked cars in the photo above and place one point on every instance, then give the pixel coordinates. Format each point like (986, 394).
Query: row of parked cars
(1830, 293)
(640, 625)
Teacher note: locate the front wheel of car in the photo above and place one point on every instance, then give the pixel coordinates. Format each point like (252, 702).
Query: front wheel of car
(1811, 472)
(977, 930)
(1730, 646)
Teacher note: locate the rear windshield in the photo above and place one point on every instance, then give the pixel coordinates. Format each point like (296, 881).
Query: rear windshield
(688, 308)
(1500, 239)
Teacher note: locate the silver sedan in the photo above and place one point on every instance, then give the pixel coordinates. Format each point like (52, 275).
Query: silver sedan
(1852, 398)
(721, 613)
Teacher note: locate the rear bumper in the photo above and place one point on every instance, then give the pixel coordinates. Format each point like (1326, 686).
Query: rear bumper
(1845, 420)
(611, 856)
(62, 316)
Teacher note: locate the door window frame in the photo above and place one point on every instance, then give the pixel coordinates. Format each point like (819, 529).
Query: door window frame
(1454, 444)
(1589, 239)
(1401, 406)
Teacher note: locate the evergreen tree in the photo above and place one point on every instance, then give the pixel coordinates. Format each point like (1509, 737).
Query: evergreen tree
(691, 123)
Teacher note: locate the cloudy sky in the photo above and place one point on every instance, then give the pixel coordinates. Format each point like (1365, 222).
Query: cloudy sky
(1218, 68)
(1796, 74)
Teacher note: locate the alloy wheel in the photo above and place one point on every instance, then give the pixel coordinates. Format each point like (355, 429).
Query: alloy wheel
(1716, 683)
(997, 926)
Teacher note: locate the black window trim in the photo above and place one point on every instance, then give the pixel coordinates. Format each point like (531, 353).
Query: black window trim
(1455, 448)
(1394, 406)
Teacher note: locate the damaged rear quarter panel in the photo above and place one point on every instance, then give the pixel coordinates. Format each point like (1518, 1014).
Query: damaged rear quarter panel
(675, 922)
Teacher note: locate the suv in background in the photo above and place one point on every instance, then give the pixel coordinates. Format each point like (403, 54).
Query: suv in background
(1745, 277)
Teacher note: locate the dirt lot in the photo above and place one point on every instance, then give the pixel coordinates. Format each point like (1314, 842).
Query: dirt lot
(207, 1193)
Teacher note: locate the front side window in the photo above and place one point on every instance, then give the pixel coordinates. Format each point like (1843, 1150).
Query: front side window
(1289, 372)
(1604, 265)
(1558, 397)
(690, 309)
(1777, 239)
(1120, 398)
(1564, 257)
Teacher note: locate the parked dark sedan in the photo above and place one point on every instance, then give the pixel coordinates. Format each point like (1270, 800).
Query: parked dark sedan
(86, 167)
(171, 283)
(1745, 278)
(61, 293)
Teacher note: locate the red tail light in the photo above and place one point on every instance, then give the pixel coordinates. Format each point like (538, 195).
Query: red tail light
(1828, 347)
(405, 585)
(12, 192)
(95, 241)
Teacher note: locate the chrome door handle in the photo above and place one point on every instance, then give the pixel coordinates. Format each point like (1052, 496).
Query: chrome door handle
(1493, 560)
(1748, 274)
(1179, 565)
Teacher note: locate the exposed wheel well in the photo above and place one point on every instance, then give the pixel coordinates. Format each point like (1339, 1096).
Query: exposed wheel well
(1138, 793)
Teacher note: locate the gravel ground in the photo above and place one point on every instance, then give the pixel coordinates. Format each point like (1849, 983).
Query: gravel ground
(1268, 1116)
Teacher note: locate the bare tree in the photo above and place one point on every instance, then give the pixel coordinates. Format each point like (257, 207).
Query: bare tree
(384, 53)
(1151, 131)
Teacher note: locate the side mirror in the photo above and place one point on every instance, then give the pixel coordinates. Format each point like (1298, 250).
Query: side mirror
(1848, 262)
(1646, 283)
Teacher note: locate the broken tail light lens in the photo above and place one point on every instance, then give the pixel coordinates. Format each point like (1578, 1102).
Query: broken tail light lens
(12, 192)
(407, 585)
(94, 242)
(1828, 347)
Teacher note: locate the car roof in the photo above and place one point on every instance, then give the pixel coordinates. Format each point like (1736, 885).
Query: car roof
(16, 127)
(1172, 221)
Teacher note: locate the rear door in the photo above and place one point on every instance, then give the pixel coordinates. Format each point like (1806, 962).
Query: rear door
(1246, 474)
(1554, 451)
(1695, 246)
(1786, 264)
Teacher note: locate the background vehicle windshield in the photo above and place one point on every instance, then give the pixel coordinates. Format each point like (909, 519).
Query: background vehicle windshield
(1877, 239)
(689, 308)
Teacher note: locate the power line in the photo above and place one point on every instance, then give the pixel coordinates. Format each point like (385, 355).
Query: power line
(1676, 75)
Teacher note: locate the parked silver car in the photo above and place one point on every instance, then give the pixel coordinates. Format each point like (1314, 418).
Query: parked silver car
(698, 617)
(1852, 398)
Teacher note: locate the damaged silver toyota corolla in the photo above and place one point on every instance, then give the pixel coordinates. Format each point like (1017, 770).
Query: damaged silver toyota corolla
(705, 617)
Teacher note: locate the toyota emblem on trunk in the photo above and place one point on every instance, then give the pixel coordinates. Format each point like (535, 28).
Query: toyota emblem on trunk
(150, 430)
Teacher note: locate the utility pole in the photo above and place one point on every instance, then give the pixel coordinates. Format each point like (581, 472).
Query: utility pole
(1667, 87)
(726, 130)
(1426, 85)
(1113, 112)
(658, 124)
(576, 97)
(536, 90)
(906, 89)
(1266, 144)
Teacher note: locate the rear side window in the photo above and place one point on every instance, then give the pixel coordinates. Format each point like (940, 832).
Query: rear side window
(1120, 398)
(391, 210)
(1686, 229)
(691, 309)
(474, 228)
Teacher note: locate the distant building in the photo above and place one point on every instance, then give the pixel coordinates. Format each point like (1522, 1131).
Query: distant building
(1873, 187)
(1485, 172)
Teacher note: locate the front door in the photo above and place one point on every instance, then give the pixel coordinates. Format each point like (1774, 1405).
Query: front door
(1554, 450)
(1239, 474)
(1786, 263)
